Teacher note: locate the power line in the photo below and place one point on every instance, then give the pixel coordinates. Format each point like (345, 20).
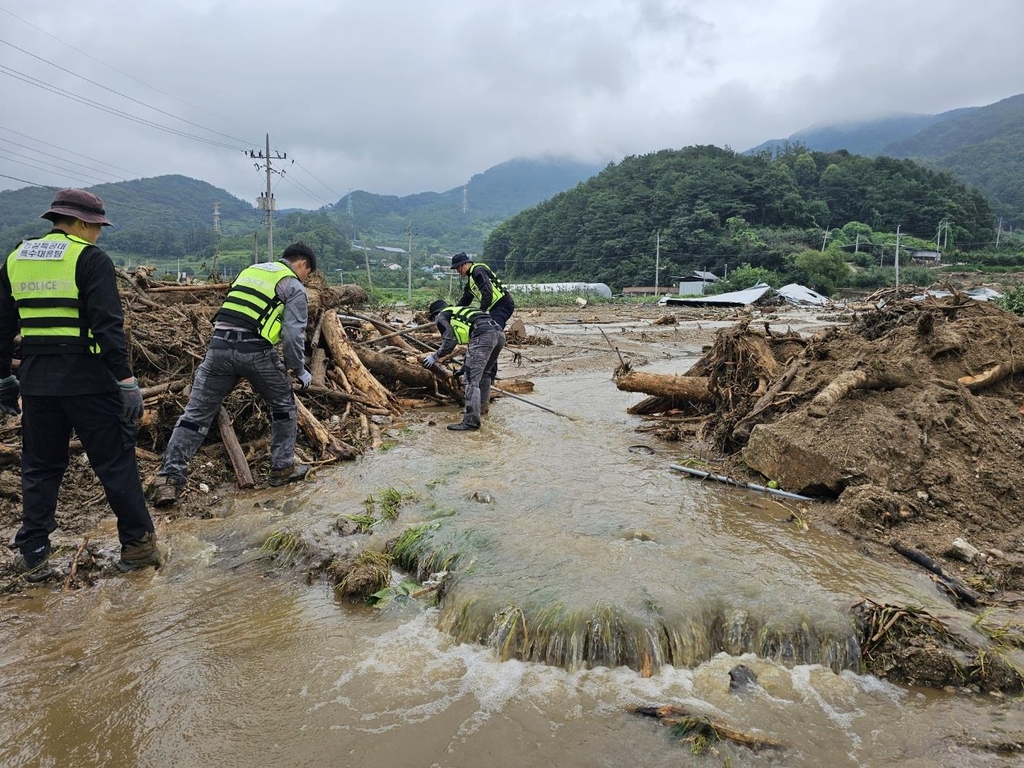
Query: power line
(338, 195)
(57, 157)
(25, 181)
(70, 173)
(309, 192)
(120, 72)
(110, 110)
(68, 151)
(123, 95)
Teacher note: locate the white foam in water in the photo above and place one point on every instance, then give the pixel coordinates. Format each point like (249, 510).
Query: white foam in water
(420, 672)
(801, 676)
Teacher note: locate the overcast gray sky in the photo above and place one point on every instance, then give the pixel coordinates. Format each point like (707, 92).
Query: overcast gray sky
(404, 96)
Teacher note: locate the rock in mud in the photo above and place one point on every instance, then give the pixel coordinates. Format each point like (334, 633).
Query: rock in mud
(741, 679)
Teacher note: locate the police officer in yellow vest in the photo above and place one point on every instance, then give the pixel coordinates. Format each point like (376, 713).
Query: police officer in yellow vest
(483, 286)
(60, 293)
(463, 325)
(265, 304)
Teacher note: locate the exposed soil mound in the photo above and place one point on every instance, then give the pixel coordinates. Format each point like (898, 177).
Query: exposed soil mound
(909, 418)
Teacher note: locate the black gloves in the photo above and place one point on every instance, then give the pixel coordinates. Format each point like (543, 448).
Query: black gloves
(9, 390)
(131, 400)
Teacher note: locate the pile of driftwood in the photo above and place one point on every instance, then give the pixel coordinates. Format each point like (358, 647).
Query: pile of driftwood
(365, 371)
(721, 396)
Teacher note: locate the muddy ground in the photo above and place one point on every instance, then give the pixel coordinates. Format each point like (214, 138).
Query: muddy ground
(915, 456)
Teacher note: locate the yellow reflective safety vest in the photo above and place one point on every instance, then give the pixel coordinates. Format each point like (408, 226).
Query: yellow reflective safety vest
(42, 275)
(252, 300)
(462, 321)
(497, 289)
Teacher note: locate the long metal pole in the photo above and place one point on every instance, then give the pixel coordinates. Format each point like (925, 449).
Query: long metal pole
(898, 255)
(657, 261)
(270, 209)
(410, 263)
(535, 405)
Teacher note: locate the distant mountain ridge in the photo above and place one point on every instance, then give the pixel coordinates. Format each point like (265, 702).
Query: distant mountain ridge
(462, 217)
(168, 207)
(982, 146)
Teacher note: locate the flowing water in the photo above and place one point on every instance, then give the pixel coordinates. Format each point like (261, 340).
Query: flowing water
(568, 532)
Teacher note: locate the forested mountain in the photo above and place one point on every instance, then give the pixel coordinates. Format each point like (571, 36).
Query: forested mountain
(983, 146)
(713, 206)
(437, 219)
(169, 217)
(864, 137)
(161, 217)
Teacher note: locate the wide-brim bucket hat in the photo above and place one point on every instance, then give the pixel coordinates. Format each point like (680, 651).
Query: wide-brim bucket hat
(78, 204)
(459, 259)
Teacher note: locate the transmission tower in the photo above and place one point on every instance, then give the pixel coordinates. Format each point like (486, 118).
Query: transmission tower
(465, 197)
(265, 202)
(216, 218)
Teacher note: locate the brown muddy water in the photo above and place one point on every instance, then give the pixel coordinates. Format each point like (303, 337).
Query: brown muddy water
(219, 659)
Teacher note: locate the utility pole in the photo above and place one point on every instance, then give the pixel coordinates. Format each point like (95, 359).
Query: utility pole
(657, 261)
(266, 199)
(856, 245)
(410, 261)
(824, 240)
(369, 280)
(898, 255)
(999, 231)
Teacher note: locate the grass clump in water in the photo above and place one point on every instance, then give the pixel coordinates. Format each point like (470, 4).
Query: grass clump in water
(284, 546)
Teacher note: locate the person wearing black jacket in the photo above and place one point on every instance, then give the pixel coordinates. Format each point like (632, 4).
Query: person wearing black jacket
(59, 292)
(483, 286)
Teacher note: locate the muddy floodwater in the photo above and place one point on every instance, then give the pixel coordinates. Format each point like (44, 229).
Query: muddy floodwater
(221, 659)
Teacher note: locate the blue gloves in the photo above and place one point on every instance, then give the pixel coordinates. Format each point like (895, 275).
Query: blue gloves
(131, 400)
(305, 378)
(431, 360)
(9, 390)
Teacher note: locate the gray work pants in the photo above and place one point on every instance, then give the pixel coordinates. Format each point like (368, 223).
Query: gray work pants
(222, 368)
(481, 359)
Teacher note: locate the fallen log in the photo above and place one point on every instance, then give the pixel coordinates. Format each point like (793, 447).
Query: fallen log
(847, 382)
(693, 725)
(688, 388)
(167, 386)
(320, 436)
(992, 376)
(349, 363)
(958, 589)
(234, 450)
(743, 427)
(392, 368)
(189, 288)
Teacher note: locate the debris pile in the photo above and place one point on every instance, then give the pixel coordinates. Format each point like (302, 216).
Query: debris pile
(909, 418)
(365, 372)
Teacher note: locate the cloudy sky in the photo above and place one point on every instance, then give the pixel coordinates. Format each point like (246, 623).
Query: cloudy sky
(404, 96)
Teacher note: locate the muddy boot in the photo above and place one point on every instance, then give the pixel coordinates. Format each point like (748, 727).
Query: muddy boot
(139, 554)
(462, 427)
(34, 565)
(165, 490)
(290, 474)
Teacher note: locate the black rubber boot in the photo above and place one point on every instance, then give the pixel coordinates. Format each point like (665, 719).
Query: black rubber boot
(165, 490)
(34, 566)
(291, 474)
(462, 427)
(139, 554)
